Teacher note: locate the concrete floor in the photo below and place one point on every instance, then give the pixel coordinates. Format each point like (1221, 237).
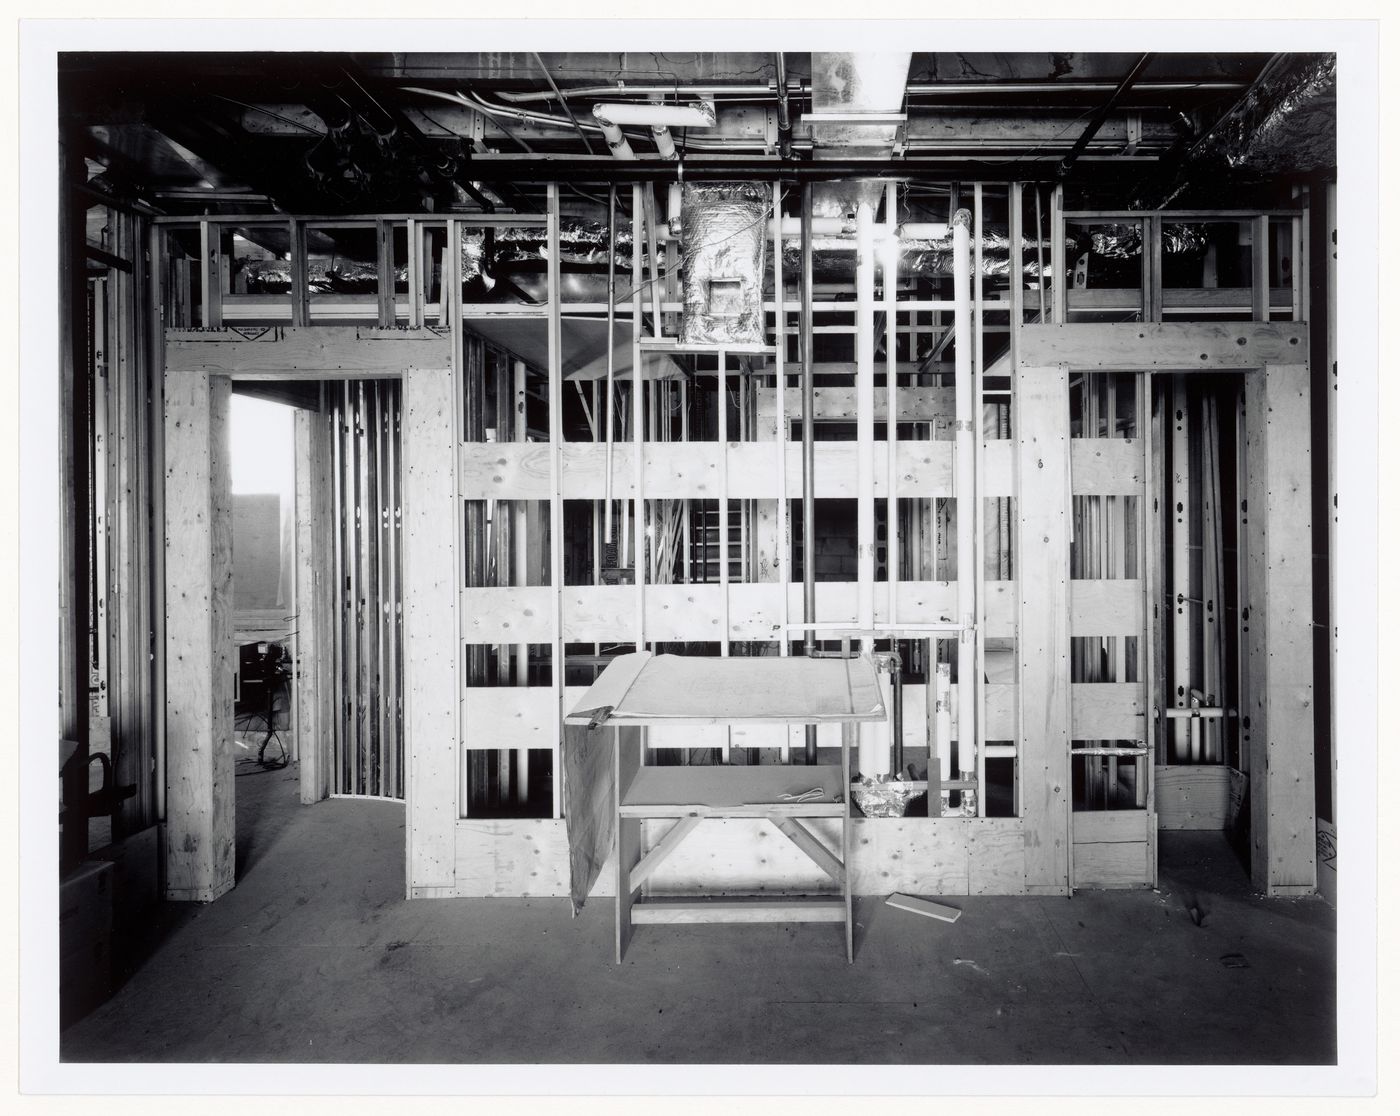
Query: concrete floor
(316, 957)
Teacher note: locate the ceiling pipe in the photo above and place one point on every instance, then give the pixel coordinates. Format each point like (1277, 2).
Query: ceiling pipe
(563, 103)
(546, 168)
(700, 114)
(784, 117)
(1092, 129)
(659, 118)
(913, 89)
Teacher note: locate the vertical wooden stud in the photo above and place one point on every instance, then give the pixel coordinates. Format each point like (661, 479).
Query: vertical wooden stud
(1282, 809)
(199, 832)
(1041, 398)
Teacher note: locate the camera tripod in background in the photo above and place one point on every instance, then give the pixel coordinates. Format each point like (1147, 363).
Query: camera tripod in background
(276, 682)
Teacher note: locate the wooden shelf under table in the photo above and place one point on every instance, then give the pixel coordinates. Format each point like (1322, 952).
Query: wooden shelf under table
(733, 792)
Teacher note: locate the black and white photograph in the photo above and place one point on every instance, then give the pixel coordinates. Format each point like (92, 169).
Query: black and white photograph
(558, 550)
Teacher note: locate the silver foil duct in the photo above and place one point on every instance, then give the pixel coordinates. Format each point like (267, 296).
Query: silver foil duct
(1286, 123)
(723, 227)
(1124, 241)
(834, 261)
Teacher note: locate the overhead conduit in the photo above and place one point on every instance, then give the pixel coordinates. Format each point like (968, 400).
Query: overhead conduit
(659, 118)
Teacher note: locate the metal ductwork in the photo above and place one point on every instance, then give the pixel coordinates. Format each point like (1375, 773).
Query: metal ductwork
(1285, 124)
(856, 100)
(723, 229)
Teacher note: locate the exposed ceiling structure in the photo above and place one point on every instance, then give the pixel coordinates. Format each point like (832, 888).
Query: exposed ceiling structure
(382, 133)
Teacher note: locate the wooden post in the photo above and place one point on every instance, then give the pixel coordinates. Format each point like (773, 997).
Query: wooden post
(1041, 398)
(307, 427)
(519, 574)
(73, 578)
(783, 550)
(865, 424)
(1179, 513)
(639, 546)
(556, 499)
(1259, 257)
(432, 682)
(199, 834)
(723, 504)
(1282, 809)
(965, 484)
(890, 268)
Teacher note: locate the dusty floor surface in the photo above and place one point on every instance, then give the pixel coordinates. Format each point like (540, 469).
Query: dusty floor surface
(316, 956)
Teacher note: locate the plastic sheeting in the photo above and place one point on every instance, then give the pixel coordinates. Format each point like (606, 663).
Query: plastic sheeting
(723, 227)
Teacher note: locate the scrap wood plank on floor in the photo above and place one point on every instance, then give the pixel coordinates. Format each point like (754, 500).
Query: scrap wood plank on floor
(925, 907)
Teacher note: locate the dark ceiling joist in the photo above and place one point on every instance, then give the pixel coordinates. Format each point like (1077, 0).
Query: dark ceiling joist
(696, 169)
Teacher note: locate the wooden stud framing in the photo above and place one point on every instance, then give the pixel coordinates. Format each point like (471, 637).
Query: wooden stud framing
(430, 638)
(310, 656)
(556, 501)
(199, 832)
(639, 547)
(1282, 823)
(1163, 346)
(1041, 399)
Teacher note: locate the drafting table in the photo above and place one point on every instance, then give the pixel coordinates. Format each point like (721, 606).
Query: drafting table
(607, 803)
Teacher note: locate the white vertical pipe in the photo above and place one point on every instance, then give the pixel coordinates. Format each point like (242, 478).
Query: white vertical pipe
(556, 499)
(520, 560)
(943, 732)
(865, 423)
(612, 344)
(964, 488)
(781, 555)
(979, 534)
(723, 550)
(638, 380)
(890, 265)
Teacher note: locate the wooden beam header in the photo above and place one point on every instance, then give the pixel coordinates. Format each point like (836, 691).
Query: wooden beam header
(322, 352)
(1162, 346)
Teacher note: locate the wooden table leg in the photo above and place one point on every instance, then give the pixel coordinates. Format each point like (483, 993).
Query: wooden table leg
(629, 852)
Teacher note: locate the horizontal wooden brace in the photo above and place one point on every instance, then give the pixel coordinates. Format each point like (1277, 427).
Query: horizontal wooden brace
(1106, 466)
(496, 717)
(1221, 300)
(1105, 608)
(660, 911)
(690, 470)
(593, 613)
(1162, 346)
(323, 351)
(1107, 711)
